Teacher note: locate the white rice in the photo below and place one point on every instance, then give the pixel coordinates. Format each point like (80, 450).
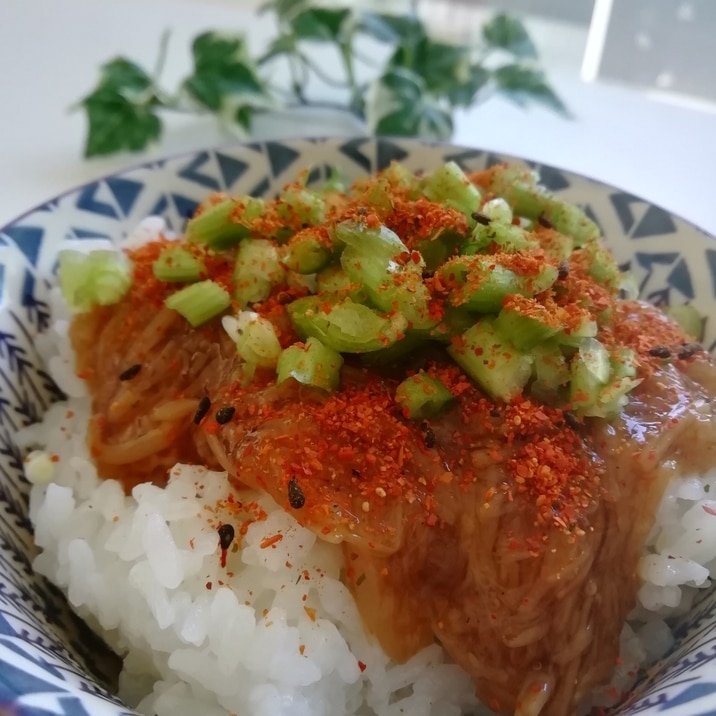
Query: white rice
(275, 632)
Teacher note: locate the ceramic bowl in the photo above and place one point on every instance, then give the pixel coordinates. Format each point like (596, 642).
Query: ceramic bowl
(49, 661)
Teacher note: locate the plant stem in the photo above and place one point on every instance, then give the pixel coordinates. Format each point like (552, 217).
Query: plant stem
(320, 73)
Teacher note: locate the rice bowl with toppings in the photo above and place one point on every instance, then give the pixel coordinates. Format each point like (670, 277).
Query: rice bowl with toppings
(394, 469)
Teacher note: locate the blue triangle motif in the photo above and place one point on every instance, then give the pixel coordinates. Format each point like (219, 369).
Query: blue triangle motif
(711, 261)
(28, 240)
(352, 149)
(389, 152)
(231, 169)
(125, 191)
(87, 202)
(185, 207)
(280, 157)
(656, 222)
(680, 278)
(28, 289)
(191, 172)
(86, 234)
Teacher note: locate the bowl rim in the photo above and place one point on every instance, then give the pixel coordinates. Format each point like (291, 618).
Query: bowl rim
(416, 141)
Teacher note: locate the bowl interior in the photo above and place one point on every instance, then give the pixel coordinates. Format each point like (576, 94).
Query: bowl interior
(49, 660)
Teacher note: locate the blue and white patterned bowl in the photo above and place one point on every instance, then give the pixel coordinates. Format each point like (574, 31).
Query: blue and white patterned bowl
(50, 663)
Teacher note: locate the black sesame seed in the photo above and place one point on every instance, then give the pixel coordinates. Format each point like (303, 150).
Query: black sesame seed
(130, 372)
(429, 439)
(688, 350)
(202, 410)
(226, 536)
(660, 352)
(224, 415)
(571, 420)
(296, 498)
(495, 413)
(542, 220)
(481, 218)
(563, 270)
(356, 473)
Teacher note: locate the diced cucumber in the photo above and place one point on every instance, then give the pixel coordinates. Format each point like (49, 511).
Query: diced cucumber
(256, 271)
(306, 253)
(526, 325)
(481, 284)
(498, 210)
(422, 396)
(199, 302)
(492, 361)
(345, 326)
(226, 223)
(176, 263)
(551, 372)
(311, 364)
(97, 278)
(255, 338)
(589, 373)
(450, 186)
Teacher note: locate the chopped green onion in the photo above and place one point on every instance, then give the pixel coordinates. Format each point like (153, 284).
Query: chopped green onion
(224, 224)
(492, 361)
(345, 326)
(255, 338)
(99, 278)
(689, 319)
(422, 396)
(256, 271)
(176, 263)
(450, 186)
(310, 364)
(199, 302)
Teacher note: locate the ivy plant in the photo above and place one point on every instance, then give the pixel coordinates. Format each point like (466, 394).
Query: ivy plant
(412, 90)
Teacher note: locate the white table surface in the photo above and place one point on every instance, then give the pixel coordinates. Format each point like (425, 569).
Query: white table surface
(50, 52)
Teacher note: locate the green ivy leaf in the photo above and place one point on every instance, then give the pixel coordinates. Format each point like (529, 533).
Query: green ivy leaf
(116, 123)
(282, 45)
(465, 93)
(508, 33)
(285, 10)
(121, 111)
(243, 117)
(444, 68)
(523, 84)
(223, 72)
(399, 105)
(320, 24)
(392, 29)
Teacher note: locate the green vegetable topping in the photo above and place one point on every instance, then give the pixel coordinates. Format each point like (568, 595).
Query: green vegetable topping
(311, 364)
(100, 278)
(422, 396)
(199, 302)
(178, 264)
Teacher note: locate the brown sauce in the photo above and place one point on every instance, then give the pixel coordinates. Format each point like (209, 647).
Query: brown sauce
(526, 588)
